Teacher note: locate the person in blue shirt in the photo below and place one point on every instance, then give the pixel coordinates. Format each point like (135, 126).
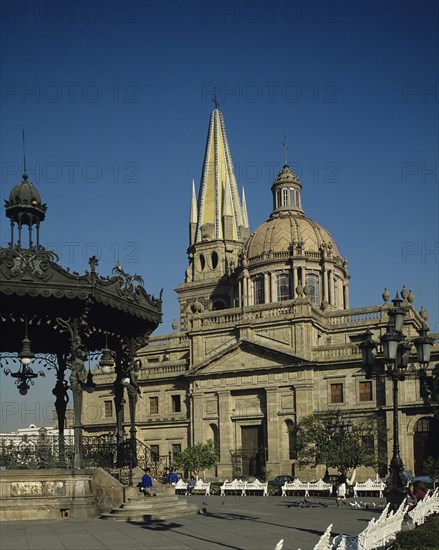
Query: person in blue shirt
(173, 477)
(147, 483)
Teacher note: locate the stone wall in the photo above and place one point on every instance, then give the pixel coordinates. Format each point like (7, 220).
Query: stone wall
(57, 493)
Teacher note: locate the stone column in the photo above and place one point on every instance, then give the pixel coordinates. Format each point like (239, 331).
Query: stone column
(345, 295)
(294, 282)
(325, 285)
(266, 288)
(273, 430)
(226, 436)
(331, 288)
(197, 418)
(273, 292)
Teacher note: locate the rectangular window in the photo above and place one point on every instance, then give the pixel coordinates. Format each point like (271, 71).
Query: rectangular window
(283, 287)
(155, 453)
(176, 449)
(366, 391)
(108, 409)
(154, 405)
(336, 393)
(176, 403)
(258, 289)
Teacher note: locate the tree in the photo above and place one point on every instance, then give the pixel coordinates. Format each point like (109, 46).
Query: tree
(201, 456)
(317, 444)
(431, 468)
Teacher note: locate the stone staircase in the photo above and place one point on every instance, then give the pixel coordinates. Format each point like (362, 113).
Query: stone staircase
(165, 505)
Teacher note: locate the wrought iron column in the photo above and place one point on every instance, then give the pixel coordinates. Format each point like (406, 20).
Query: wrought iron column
(395, 482)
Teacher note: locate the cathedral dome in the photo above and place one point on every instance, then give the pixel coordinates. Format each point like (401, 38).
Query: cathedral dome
(291, 233)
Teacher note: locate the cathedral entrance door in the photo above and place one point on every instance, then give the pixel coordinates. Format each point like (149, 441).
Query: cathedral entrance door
(425, 442)
(252, 450)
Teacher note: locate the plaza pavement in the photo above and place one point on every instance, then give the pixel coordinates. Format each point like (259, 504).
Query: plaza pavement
(231, 522)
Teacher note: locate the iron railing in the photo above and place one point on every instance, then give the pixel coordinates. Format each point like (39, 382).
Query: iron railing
(52, 451)
(32, 452)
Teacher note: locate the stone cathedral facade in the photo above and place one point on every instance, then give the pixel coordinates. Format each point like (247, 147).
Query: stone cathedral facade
(266, 336)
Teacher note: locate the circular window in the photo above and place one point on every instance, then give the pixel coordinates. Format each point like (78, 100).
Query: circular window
(214, 260)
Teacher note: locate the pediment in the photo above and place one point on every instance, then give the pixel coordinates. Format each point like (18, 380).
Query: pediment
(245, 355)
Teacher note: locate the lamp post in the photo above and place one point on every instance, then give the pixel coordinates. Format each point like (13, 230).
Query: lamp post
(396, 354)
(341, 428)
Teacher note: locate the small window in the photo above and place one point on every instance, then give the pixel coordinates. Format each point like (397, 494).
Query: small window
(176, 403)
(258, 289)
(283, 287)
(176, 449)
(108, 409)
(366, 391)
(292, 197)
(312, 282)
(284, 197)
(202, 262)
(214, 260)
(155, 453)
(336, 393)
(154, 405)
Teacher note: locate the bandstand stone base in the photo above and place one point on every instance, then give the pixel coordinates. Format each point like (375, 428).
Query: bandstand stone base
(57, 493)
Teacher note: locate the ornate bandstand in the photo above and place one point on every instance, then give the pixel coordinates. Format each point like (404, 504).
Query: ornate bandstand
(54, 319)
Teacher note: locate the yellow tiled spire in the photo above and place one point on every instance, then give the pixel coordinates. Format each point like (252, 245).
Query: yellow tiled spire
(218, 187)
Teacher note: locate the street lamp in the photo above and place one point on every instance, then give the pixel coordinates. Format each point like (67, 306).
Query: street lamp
(341, 428)
(396, 354)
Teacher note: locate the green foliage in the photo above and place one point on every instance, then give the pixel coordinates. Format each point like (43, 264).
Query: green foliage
(424, 537)
(431, 468)
(317, 444)
(201, 456)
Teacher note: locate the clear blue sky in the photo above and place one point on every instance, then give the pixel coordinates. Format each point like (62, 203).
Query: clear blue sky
(115, 98)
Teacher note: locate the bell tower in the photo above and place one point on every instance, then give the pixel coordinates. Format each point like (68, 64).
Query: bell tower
(218, 228)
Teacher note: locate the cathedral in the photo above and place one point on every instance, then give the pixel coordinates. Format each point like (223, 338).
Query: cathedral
(266, 336)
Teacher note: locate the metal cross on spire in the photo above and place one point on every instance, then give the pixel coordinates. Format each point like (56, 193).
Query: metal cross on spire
(285, 150)
(215, 101)
(24, 153)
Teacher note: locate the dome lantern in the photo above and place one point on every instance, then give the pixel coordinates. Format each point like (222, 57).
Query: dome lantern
(286, 191)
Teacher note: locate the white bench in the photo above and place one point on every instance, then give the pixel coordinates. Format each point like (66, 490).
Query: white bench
(233, 487)
(201, 487)
(257, 485)
(181, 486)
(297, 485)
(369, 486)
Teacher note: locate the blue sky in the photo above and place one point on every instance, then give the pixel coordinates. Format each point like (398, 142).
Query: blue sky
(115, 99)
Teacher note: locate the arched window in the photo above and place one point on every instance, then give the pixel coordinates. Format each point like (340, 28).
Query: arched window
(284, 197)
(283, 287)
(259, 290)
(202, 262)
(292, 197)
(312, 281)
(278, 198)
